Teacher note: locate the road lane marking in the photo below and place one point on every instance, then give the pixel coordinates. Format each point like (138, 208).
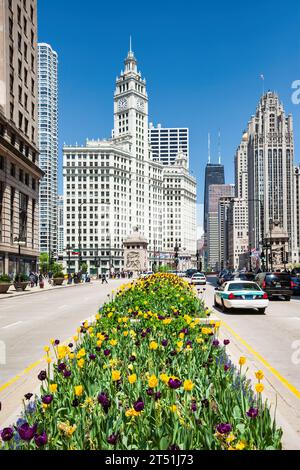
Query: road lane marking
(287, 384)
(11, 325)
(25, 371)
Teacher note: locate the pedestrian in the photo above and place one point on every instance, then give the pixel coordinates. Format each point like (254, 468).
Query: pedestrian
(104, 279)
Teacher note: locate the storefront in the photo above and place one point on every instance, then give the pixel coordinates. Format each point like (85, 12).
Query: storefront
(25, 265)
(2, 263)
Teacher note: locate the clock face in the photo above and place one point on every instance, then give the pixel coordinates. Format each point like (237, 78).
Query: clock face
(122, 104)
(140, 104)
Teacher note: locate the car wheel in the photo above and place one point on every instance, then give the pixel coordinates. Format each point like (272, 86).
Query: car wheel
(215, 302)
(262, 311)
(224, 309)
(287, 298)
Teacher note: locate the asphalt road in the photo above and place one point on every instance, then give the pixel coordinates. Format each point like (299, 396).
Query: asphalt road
(274, 335)
(27, 323)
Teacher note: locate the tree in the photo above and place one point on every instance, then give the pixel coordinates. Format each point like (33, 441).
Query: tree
(44, 262)
(84, 268)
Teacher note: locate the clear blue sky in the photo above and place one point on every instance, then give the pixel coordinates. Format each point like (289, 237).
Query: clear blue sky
(202, 62)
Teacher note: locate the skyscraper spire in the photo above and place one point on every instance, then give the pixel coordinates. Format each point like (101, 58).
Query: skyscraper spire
(130, 44)
(209, 155)
(219, 147)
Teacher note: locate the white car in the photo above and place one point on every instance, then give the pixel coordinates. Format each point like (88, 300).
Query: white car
(241, 295)
(198, 279)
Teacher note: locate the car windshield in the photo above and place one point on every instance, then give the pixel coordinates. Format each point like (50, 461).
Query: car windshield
(243, 286)
(198, 275)
(278, 277)
(246, 277)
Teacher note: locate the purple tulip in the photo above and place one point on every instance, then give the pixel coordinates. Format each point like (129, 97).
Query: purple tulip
(41, 439)
(75, 403)
(205, 403)
(112, 439)
(132, 358)
(61, 367)
(139, 405)
(106, 352)
(216, 342)
(160, 317)
(104, 401)
(176, 313)
(28, 396)
(224, 428)
(7, 434)
(56, 342)
(164, 342)
(150, 392)
(173, 353)
(157, 396)
(194, 407)
(47, 399)
(174, 447)
(144, 334)
(42, 375)
(226, 342)
(137, 343)
(92, 357)
(67, 373)
(174, 383)
(189, 343)
(226, 367)
(148, 330)
(252, 413)
(71, 345)
(26, 432)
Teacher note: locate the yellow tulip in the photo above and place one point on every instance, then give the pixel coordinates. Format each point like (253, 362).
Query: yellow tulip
(153, 345)
(259, 387)
(188, 385)
(53, 388)
(164, 378)
(173, 408)
(242, 361)
(259, 375)
(115, 375)
(152, 381)
(132, 378)
(46, 349)
(78, 390)
(113, 342)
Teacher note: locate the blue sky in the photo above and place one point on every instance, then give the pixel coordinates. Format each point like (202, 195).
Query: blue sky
(202, 62)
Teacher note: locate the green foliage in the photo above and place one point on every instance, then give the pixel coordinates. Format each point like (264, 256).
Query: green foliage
(57, 268)
(84, 268)
(44, 262)
(4, 279)
(58, 275)
(21, 278)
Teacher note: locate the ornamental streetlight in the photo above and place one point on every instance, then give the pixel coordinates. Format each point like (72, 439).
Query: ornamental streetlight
(20, 241)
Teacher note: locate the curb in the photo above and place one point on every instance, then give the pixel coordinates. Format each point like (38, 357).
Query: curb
(40, 291)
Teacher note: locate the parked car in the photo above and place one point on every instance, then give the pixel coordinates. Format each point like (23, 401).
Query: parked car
(295, 272)
(241, 295)
(198, 279)
(228, 276)
(146, 274)
(276, 284)
(244, 276)
(190, 272)
(295, 285)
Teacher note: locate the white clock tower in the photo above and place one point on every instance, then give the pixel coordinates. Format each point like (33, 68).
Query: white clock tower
(131, 119)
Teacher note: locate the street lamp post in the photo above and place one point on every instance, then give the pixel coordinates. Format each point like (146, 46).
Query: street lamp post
(176, 251)
(20, 242)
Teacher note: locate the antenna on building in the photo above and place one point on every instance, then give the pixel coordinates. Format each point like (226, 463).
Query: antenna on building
(219, 147)
(209, 155)
(130, 44)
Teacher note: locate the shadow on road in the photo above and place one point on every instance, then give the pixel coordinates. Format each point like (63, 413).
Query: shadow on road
(249, 312)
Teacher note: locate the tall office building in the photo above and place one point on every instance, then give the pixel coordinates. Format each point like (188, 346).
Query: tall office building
(166, 143)
(215, 192)
(60, 226)
(270, 171)
(214, 174)
(48, 142)
(223, 231)
(19, 162)
(241, 168)
(238, 248)
(111, 186)
(296, 256)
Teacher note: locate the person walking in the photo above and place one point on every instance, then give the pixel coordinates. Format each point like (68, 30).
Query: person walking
(104, 279)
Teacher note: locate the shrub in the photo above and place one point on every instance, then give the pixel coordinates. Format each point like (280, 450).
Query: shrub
(4, 279)
(21, 278)
(58, 275)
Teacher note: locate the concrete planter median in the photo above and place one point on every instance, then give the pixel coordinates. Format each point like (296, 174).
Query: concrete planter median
(20, 286)
(4, 288)
(58, 281)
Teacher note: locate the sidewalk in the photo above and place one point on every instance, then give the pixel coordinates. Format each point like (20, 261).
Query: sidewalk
(34, 290)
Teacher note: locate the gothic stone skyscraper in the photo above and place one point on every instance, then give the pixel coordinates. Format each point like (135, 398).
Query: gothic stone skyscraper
(270, 170)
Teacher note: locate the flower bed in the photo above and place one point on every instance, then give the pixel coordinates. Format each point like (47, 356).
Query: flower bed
(145, 375)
